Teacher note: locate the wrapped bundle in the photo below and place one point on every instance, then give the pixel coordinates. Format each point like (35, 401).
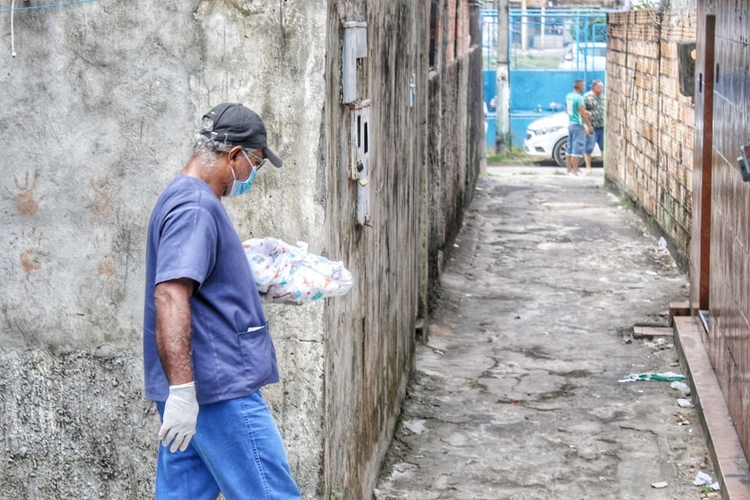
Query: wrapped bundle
(286, 273)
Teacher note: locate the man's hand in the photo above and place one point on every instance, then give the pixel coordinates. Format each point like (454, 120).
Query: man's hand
(180, 417)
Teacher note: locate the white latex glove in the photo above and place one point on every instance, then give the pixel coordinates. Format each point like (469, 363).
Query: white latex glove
(180, 417)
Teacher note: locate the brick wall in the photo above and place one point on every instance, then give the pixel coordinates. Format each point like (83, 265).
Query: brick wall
(452, 30)
(649, 134)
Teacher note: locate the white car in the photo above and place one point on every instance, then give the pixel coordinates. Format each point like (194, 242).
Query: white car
(591, 56)
(547, 138)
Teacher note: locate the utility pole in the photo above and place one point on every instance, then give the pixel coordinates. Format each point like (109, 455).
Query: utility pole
(502, 139)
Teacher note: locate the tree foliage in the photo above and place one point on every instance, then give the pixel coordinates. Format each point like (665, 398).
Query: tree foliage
(589, 29)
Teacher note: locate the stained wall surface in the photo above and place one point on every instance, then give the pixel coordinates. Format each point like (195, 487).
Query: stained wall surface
(424, 160)
(103, 98)
(726, 216)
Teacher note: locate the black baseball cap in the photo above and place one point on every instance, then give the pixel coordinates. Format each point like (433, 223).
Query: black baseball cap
(238, 125)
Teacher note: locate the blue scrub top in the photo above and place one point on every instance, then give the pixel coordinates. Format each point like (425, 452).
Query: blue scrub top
(191, 236)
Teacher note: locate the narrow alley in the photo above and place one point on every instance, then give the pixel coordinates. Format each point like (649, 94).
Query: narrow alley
(518, 391)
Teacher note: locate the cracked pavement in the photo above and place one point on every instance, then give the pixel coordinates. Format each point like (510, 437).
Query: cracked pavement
(515, 394)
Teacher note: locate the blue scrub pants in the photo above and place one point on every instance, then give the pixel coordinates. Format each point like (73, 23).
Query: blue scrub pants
(236, 449)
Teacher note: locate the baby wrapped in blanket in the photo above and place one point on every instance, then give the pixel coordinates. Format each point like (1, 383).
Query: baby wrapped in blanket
(286, 273)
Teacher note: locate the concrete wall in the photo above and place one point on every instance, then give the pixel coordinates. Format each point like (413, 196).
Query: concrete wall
(649, 133)
(100, 104)
(455, 91)
(424, 162)
(370, 333)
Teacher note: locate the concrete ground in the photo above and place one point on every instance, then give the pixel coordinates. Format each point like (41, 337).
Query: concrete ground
(517, 392)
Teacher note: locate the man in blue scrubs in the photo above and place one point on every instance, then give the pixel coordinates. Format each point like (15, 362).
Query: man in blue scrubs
(207, 347)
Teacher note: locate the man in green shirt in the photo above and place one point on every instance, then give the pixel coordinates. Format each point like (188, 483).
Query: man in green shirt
(593, 100)
(578, 127)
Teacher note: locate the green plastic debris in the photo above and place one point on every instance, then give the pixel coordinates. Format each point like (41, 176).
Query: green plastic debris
(659, 377)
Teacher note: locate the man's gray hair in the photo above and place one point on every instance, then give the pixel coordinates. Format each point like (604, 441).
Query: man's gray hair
(204, 138)
(206, 143)
(596, 82)
(208, 148)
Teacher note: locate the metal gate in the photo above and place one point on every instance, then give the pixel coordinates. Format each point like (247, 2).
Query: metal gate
(549, 49)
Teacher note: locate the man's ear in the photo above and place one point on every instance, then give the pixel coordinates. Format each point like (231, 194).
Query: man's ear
(234, 153)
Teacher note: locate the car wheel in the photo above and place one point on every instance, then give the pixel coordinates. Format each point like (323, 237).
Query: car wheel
(558, 152)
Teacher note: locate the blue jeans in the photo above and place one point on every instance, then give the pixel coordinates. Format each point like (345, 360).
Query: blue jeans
(236, 449)
(576, 140)
(596, 138)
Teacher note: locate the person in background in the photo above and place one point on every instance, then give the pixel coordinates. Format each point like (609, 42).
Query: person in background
(206, 344)
(593, 100)
(578, 127)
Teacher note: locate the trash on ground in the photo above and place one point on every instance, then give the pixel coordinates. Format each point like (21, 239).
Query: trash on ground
(701, 478)
(659, 485)
(684, 403)
(681, 387)
(659, 344)
(659, 377)
(681, 419)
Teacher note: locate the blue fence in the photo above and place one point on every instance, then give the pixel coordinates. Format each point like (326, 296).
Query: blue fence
(548, 50)
(538, 93)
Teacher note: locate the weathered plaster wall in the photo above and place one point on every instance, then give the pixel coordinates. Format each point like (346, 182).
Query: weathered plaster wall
(449, 148)
(649, 132)
(370, 336)
(101, 103)
(99, 107)
(676, 6)
(424, 164)
(455, 91)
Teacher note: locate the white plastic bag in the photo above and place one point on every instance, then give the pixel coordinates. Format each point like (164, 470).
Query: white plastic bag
(286, 273)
